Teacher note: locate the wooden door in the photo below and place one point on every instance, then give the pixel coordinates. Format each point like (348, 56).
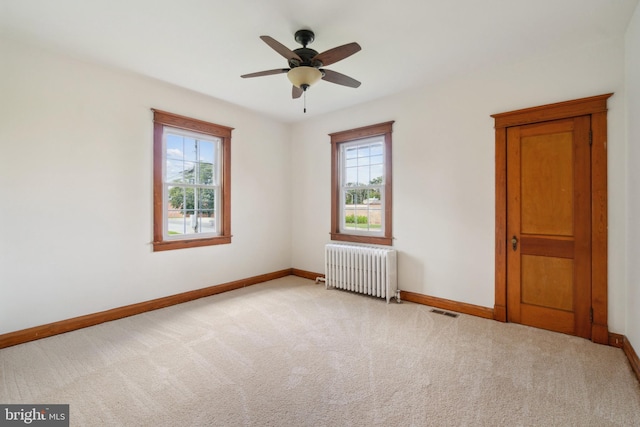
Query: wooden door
(549, 225)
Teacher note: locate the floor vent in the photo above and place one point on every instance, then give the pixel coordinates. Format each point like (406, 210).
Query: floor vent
(445, 313)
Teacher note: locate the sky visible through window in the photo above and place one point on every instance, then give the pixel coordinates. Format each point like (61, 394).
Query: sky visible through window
(364, 163)
(183, 154)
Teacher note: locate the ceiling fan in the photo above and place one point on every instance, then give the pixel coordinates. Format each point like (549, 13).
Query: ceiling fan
(305, 64)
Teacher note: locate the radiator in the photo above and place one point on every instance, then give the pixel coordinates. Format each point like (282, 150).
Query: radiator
(367, 270)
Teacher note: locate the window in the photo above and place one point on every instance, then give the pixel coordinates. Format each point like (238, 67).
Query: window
(191, 182)
(361, 185)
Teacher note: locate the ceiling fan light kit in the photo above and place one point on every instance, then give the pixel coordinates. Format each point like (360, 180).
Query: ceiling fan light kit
(303, 77)
(304, 63)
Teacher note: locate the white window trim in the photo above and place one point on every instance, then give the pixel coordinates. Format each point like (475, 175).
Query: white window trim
(343, 227)
(216, 186)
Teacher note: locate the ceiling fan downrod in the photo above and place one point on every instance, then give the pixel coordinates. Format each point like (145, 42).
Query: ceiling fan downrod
(304, 37)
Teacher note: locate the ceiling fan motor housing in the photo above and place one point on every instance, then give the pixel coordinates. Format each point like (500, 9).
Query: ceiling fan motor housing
(306, 54)
(305, 37)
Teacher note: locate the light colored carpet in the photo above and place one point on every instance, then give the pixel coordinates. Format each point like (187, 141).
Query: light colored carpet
(290, 353)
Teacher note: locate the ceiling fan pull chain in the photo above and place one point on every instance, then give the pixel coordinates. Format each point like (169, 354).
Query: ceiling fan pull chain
(305, 101)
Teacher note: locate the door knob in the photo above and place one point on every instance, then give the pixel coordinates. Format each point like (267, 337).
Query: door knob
(514, 243)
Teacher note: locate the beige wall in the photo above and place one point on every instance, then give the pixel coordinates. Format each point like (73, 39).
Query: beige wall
(633, 192)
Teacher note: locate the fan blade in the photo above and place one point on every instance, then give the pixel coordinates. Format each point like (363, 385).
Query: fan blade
(341, 79)
(336, 54)
(296, 92)
(280, 48)
(265, 73)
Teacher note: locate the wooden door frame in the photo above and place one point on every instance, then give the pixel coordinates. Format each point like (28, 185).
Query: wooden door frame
(596, 107)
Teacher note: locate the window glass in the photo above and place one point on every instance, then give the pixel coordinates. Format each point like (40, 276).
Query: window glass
(190, 184)
(362, 182)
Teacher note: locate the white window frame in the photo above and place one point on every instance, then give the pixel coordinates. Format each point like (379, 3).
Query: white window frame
(344, 188)
(215, 186)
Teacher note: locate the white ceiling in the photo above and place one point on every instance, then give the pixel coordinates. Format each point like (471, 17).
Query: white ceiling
(205, 45)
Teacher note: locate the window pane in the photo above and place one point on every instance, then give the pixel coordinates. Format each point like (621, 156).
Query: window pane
(351, 177)
(205, 173)
(190, 149)
(206, 199)
(363, 175)
(348, 197)
(357, 196)
(191, 210)
(377, 160)
(349, 219)
(367, 196)
(363, 218)
(377, 174)
(349, 222)
(190, 222)
(349, 208)
(195, 222)
(375, 217)
(206, 154)
(176, 223)
(363, 161)
(176, 196)
(375, 196)
(376, 149)
(351, 163)
(174, 147)
(363, 151)
(189, 172)
(174, 170)
(207, 222)
(351, 152)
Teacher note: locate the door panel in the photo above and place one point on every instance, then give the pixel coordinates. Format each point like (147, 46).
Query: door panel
(547, 184)
(546, 281)
(549, 223)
